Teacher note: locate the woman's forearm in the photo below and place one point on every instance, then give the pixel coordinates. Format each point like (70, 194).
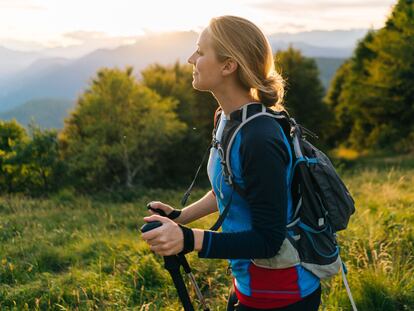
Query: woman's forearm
(203, 207)
(198, 239)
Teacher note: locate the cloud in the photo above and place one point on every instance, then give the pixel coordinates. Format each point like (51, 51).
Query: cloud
(298, 5)
(295, 26)
(20, 5)
(277, 26)
(97, 39)
(21, 45)
(85, 35)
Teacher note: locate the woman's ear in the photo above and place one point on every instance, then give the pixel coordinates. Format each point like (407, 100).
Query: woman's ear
(230, 66)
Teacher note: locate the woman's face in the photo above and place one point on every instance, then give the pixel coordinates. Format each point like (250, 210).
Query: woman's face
(207, 70)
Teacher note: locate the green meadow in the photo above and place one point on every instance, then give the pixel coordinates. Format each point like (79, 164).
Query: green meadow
(71, 252)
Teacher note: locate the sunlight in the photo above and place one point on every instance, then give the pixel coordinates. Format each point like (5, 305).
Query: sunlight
(46, 21)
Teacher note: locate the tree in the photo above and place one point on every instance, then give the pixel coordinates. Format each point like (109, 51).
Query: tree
(390, 94)
(196, 109)
(378, 87)
(118, 129)
(304, 90)
(12, 136)
(42, 168)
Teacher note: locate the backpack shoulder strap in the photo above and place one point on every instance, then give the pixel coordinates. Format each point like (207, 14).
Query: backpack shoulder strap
(217, 115)
(233, 125)
(240, 118)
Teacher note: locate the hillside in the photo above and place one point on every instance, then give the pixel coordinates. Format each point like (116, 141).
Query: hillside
(12, 61)
(48, 113)
(57, 77)
(68, 79)
(327, 68)
(79, 253)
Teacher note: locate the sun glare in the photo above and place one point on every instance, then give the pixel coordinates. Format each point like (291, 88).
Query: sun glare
(47, 21)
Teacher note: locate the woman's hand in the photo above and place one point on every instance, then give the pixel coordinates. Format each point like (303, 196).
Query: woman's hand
(165, 240)
(155, 205)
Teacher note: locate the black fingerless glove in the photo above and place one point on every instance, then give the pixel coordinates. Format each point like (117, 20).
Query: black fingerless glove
(173, 215)
(188, 239)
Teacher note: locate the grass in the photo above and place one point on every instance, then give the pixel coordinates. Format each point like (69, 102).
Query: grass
(378, 246)
(80, 253)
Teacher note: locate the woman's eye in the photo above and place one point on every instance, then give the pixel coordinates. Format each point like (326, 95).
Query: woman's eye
(198, 52)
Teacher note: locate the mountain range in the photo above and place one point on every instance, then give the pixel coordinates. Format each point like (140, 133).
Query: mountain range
(30, 76)
(46, 112)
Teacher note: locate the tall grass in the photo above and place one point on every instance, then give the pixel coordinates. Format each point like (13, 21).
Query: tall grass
(79, 253)
(378, 246)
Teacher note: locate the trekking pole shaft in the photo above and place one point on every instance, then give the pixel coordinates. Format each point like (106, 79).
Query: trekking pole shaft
(183, 261)
(172, 264)
(198, 291)
(182, 293)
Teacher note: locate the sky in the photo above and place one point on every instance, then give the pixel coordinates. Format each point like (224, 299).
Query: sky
(35, 24)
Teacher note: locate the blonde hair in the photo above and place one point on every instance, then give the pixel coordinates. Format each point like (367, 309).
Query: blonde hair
(237, 38)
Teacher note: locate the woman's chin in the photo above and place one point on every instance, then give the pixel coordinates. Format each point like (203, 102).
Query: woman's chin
(196, 85)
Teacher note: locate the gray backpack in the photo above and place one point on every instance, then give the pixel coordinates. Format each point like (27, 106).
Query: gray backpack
(323, 207)
(322, 203)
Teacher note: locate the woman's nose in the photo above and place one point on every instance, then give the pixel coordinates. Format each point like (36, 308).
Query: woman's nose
(190, 59)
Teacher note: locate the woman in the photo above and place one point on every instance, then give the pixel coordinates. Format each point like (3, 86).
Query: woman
(234, 62)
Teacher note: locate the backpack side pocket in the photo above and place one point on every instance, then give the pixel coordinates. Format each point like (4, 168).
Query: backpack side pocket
(287, 257)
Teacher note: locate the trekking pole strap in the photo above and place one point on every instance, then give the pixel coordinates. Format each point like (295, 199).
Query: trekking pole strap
(172, 264)
(348, 289)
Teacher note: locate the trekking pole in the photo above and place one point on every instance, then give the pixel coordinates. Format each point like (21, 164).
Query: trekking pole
(190, 275)
(172, 264)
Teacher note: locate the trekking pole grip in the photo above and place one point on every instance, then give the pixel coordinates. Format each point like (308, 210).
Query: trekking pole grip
(172, 264)
(151, 225)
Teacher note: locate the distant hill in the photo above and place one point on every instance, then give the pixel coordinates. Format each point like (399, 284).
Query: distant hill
(327, 68)
(314, 51)
(67, 78)
(13, 61)
(48, 112)
(322, 38)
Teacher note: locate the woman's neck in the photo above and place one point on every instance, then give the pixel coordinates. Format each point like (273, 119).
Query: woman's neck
(231, 101)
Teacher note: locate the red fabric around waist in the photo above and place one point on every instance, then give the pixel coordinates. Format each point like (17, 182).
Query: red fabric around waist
(271, 288)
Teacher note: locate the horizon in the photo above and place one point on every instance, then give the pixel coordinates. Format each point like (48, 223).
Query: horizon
(25, 24)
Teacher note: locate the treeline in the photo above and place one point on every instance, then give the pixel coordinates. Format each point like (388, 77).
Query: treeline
(125, 133)
(372, 94)
(29, 163)
(122, 133)
(153, 132)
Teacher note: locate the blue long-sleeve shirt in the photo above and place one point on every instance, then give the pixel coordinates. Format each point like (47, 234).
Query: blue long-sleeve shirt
(255, 226)
(263, 158)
